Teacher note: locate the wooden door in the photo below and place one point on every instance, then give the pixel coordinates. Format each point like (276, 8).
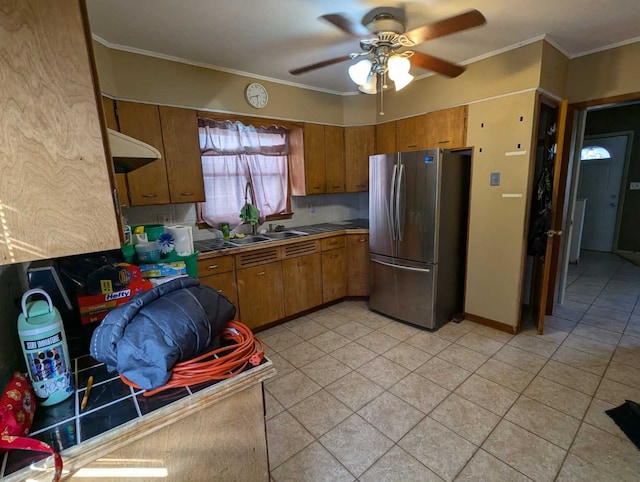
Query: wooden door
(334, 274)
(260, 294)
(334, 158)
(446, 128)
(224, 283)
(411, 134)
(302, 279)
(148, 184)
(314, 159)
(358, 265)
(359, 145)
(386, 138)
(182, 151)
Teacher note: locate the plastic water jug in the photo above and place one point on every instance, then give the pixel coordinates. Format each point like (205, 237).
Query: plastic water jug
(45, 349)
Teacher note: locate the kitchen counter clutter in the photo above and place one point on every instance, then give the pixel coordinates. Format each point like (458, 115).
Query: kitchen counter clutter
(118, 418)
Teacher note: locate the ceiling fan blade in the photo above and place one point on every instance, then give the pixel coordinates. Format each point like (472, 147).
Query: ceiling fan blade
(346, 25)
(428, 62)
(450, 25)
(319, 65)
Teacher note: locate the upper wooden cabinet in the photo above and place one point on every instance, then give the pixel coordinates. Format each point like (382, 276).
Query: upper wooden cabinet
(334, 159)
(386, 138)
(359, 144)
(314, 154)
(446, 128)
(411, 134)
(182, 151)
(109, 106)
(56, 195)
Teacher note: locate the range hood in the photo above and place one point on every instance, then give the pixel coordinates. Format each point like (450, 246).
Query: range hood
(128, 153)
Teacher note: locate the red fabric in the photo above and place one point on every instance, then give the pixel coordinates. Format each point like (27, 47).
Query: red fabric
(17, 408)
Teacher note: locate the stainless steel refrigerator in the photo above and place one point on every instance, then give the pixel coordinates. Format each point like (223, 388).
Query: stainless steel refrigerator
(418, 211)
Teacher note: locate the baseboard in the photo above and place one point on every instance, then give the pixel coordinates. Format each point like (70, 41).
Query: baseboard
(491, 323)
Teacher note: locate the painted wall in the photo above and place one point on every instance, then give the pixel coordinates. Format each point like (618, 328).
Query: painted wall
(496, 242)
(554, 70)
(619, 119)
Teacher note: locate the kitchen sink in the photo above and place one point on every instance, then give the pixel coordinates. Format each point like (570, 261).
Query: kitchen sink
(285, 234)
(249, 240)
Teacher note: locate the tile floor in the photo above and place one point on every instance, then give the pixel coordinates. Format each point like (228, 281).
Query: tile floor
(360, 396)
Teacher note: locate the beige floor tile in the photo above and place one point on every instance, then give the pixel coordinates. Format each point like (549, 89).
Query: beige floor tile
(382, 371)
(428, 342)
(274, 330)
(616, 302)
(593, 347)
(398, 466)
(283, 367)
(559, 323)
(603, 323)
(630, 342)
(534, 344)
(598, 334)
(308, 329)
(544, 421)
(292, 388)
(392, 416)
(272, 406)
(374, 320)
(616, 392)
(482, 344)
(506, 375)
(551, 334)
(610, 313)
(350, 310)
(597, 417)
(463, 357)
(575, 469)
(354, 355)
(607, 453)
(285, 437)
(528, 453)
(354, 390)
(302, 354)
(487, 394)
(484, 467)
(465, 418)
(568, 376)
(356, 444)
(632, 329)
(329, 341)
(453, 331)
(325, 370)
(329, 319)
(407, 356)
(443, 373)
(378, 342)
(419, 392)
(492, 333)
(281, 340)
(440, 449)
(522, 359)
(628, 357)
(399, 331)
(353, 330)
(312, 464)
(564, 399)
(580, 359)
(320, 412)
(568, 313)
(622, 373)
(577, 305)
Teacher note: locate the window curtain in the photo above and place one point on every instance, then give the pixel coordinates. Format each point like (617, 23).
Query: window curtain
(233, 155)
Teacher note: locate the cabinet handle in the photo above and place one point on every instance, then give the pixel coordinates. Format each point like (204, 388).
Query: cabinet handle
(302, 263)
(361, 185)
(186, 194)
(212, 266)
(219, 291)
(413, 145)
(333, 256)
(363, 240)
(335, 187)
(443, 142)
(261, 273)
(315, 188)
(332, 243)
(149, 195)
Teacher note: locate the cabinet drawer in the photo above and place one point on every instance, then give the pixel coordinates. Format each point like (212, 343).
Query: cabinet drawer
(211, 266)
(333, 243)
(224, 283)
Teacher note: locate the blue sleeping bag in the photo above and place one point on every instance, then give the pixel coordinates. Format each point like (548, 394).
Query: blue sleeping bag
(175, 321)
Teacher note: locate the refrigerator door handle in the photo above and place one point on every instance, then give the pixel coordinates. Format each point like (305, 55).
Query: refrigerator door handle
(399, 207)
(408, 268)
(392, 207)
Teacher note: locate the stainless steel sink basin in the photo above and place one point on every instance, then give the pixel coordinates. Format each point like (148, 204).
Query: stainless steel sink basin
(285, 234)
(249, 240)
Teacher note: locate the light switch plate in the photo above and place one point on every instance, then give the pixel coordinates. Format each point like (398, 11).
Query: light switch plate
(634, 186)
(495, 179)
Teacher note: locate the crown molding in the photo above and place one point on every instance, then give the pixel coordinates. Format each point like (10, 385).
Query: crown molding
(606, 47)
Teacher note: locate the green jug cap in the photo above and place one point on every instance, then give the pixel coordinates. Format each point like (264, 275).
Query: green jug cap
(37, 308)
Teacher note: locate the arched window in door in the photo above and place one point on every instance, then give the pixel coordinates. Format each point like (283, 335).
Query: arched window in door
(594, 152)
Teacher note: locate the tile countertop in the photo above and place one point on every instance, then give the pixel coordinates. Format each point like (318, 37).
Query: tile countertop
(115, 416)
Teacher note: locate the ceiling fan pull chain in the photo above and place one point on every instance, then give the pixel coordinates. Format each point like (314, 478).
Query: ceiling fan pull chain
(382, 94)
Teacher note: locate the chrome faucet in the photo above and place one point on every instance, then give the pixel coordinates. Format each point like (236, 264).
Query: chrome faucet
(248, 189)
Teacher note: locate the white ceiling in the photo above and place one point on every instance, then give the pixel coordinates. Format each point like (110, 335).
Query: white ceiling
(267, 38)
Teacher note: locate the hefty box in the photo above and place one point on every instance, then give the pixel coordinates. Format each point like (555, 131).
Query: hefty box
(94, 308)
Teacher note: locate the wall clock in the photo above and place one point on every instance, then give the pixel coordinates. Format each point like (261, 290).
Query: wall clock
(256, 95)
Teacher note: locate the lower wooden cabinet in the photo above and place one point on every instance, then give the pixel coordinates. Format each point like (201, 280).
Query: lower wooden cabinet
(358, 265)
(224, 283)
(260, 294)
(334, 274)
(302, 283)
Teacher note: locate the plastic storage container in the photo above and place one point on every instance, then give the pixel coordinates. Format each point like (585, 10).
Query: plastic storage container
(147, 252)
(153, 231)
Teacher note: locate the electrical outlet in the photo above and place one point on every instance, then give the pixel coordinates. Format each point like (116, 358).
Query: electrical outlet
(634, 186)
(164, 218)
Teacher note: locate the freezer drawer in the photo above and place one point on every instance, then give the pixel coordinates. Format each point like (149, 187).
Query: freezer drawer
(403, 291)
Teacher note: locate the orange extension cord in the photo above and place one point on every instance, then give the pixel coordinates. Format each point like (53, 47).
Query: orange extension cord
(230, 360)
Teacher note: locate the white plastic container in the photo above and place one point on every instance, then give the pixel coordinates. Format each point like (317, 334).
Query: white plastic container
(147, 252)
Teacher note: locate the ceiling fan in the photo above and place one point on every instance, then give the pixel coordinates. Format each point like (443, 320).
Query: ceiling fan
(384, 46)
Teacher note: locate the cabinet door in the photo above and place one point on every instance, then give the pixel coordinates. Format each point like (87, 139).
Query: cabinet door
(314, 154)
(386, 138)
(148, 184)
(334, 158)
(182, 151)
(411, 134)
(224, 283)
(260, 294)
(302, 283)
(358, 265)
(359, 145)
(447, 128)
(109, 106)
(334, 274)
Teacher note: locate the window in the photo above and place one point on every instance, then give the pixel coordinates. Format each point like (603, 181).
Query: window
(236, 156)
(594, 152)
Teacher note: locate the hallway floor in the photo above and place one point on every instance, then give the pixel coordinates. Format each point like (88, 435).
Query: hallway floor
(360, 396)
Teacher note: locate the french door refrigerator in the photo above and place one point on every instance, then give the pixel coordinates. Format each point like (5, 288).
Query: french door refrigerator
(418, 209)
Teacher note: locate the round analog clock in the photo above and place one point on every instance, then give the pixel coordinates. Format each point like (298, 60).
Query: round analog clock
(256, 95)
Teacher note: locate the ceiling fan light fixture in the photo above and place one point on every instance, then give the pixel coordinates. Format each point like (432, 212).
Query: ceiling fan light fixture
(402, 81)
(398, 66)
(359, 72)
(371, 84)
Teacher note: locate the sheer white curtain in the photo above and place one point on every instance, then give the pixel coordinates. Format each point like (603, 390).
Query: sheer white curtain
(233, 155)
